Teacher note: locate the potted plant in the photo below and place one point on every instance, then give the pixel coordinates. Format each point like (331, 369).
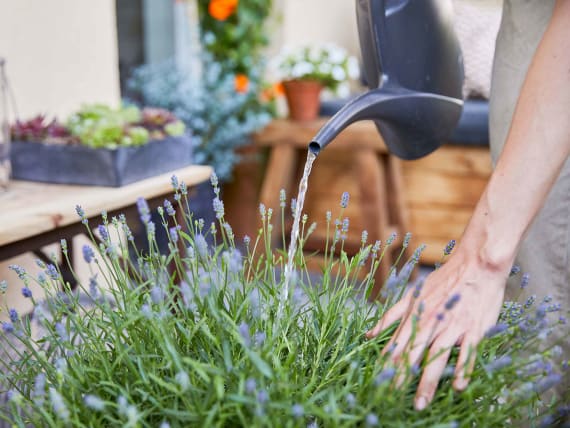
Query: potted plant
(305, 71)
(140, 348)
(99, 145)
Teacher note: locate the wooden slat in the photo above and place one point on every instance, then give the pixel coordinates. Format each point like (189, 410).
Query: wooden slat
(427, 190)
(438, 222)
(454, 161)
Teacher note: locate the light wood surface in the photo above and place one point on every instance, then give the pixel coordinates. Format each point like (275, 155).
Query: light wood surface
(31, 208)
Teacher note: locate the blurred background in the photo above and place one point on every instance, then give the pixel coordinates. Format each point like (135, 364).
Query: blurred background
(219, 65)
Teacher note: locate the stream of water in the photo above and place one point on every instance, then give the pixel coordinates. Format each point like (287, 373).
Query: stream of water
(303, 185)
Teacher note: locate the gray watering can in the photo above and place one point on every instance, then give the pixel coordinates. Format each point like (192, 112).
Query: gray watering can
(414, 69)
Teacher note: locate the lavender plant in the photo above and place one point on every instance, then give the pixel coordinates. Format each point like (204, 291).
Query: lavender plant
(192, 338)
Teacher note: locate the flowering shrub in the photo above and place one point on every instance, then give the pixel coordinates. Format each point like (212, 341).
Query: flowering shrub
(221, 118)
(100, 126)
(192, 338)
(328, 64)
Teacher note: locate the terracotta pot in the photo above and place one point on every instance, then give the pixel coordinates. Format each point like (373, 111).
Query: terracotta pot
(303, 98)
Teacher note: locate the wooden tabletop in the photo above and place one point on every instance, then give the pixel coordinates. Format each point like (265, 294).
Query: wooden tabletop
(31, 208)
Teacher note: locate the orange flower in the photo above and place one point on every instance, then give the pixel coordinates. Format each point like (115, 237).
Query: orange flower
(241, 83)
(222, 9)
(274, 91)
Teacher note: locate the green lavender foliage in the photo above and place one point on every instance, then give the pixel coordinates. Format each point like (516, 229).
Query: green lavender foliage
(192, 338)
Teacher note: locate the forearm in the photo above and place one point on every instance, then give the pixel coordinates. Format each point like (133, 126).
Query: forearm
(536, 148)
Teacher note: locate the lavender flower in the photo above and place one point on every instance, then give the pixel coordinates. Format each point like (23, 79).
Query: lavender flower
(449, 247)
(93, 402)
(391, 238)
(371, 420)
(182, 380)
(547, 382)
(88, 253)
(14, 317)
(514, 270)
(262, 397)
(250, 385)
(7, 327)
(364, 237)
(243, 329)
(150, 228)
(174, 182)
(146, 311)
(63, 244)
(344, 200)
(103, 232)
(328, 216)
(452, 301)
(259, 338)
(26, 292)
(282, 198)
(58, 405)
(61, 331)
(246, 240)
(169, 208)
(262, 210)
(496, 330)
(19, 270)
(297, 411)
(156, 295)
(384, 376)
(201, 245)
(407, 239)
(350, 400)
(440, 316)
(80, 212)
(39, 391)
(144, 210)
(173, 232)
(3, 286)
(52, 272)
(499, 363)
(524, 280)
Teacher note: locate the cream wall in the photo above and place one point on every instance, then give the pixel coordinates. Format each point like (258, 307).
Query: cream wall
(317, 21)
(60, 53)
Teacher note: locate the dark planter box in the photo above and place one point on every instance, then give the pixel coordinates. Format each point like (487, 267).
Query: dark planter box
(53, 163)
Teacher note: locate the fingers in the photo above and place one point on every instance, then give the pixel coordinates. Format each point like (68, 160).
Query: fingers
(437, 361)
(395, 313)
(466, 361)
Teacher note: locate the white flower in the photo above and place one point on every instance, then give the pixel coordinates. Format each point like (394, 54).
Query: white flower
(353, 68)
(301, 69)
(325, 68)
(343, 90)
(338, 73)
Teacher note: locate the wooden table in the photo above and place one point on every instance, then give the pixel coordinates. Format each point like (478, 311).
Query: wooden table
(35, 214)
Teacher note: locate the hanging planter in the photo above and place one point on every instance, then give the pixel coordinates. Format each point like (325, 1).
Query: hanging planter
(303, 98)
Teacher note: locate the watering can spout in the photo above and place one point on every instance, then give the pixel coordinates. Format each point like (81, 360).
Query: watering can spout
(412, 124)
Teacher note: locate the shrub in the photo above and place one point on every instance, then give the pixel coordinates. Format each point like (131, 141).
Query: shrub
(193, 338)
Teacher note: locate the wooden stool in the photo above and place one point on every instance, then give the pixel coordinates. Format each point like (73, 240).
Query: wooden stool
(357, 162)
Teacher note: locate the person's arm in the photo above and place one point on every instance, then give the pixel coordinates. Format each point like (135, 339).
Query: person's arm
(536, 148)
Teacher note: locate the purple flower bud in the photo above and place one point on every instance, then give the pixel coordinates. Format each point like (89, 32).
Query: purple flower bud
(514, 270)
(344, 200)
(496, 330)
(143, 209)
(174, 182)
(384, 376)
(371, 420)
(52, 272)
(350, 400)
(19, 270)
(156, 295)
(169, 208)
(14, 317)
(499, 363)
(80, 212)
(524, 280)
(173, 231)
(243, 329)
(26, 292)
(547, 382)
(452, 301)
(88, 254)
(407, 239)
(262, 397)
(7, 327)
(250, 385)
(103, 232)
(391, 238)
(440, 317)
(246, 240)
(61, 331)
(449, 247)
(297, 411)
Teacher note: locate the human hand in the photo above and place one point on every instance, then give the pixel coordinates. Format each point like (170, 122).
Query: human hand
(456, 305)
